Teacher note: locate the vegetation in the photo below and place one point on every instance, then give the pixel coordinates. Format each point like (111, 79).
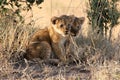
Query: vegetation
(16, 6)
(103, 15)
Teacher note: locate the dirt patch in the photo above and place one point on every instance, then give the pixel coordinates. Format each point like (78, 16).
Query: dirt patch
(49, 70)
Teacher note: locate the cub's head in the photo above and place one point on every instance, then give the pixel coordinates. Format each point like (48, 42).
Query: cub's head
(76, 25)
(61, 25)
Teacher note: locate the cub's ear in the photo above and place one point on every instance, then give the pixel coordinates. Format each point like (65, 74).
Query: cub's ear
(82, 19)
(54, 20)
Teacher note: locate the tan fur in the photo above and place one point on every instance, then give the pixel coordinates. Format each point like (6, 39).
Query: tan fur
(76, 24)
(49, 39)
(55, 38)
(39, 45)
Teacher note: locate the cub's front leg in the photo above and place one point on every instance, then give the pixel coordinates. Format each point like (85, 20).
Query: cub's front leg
(59, 51)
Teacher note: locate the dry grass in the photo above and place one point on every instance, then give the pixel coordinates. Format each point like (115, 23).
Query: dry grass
(108, 71)
(98, 57)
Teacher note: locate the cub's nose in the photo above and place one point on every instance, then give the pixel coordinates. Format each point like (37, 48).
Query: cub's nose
(66, 32)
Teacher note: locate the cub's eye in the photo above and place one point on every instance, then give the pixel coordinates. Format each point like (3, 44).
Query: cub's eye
(61, 25)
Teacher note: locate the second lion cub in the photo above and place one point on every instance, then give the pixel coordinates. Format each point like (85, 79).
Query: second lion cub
(51, 39)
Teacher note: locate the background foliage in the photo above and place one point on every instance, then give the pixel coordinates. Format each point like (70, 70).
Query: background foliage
(103, 15)
(17, 5)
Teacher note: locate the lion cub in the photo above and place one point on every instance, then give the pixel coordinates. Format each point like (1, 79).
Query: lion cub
(51, 39)
(76, 25)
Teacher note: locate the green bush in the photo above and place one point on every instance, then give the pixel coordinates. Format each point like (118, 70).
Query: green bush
(103, 15)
